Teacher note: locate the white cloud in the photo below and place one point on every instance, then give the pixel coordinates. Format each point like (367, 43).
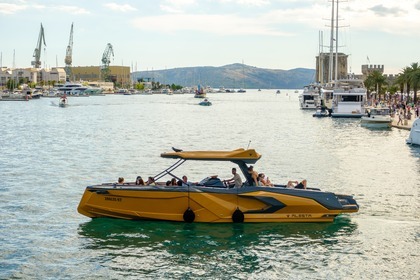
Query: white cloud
(257, 3)
(176, 6)
(120, 8)
(216, 24)
(72, 10)
(9, 9)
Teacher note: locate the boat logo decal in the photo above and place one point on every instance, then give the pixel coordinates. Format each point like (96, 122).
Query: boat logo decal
(298, 216)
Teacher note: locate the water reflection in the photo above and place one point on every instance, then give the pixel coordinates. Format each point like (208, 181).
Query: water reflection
(183, 238)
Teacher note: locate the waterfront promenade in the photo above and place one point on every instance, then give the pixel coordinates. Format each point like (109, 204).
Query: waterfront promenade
(407, 124)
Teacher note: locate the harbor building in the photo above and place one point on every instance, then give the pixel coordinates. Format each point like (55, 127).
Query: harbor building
(323, 67)
(32, 75)
(118, 74)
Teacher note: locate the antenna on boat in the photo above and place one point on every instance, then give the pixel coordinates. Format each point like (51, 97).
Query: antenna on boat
(248, 144)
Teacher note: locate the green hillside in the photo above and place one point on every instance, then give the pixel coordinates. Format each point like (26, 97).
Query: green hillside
(231, 76)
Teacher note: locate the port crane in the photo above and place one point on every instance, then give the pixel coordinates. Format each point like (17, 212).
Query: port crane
(37, 53)
(68, 59)
(106, 59)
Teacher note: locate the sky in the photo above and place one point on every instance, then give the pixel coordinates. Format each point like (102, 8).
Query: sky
(165, 34)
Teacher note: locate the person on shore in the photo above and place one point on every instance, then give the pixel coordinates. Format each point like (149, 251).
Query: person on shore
(236, 180)
(400, 117)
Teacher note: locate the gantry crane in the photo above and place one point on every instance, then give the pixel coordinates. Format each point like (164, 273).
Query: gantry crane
(37, 53)
(106, 59)
(68, 60)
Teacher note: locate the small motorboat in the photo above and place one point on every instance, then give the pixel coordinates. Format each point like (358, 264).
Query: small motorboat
(205, 102)
(212, 200)
(278, 91)
(377, 117)
(414, 137)
(321, 113)
(63, 102)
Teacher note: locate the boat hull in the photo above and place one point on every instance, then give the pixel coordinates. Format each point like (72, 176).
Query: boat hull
(377, 122)
(214, 205)
(346, 115)
(414, 137)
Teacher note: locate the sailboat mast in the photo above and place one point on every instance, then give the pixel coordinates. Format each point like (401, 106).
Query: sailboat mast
(330, 68)
(336, 43)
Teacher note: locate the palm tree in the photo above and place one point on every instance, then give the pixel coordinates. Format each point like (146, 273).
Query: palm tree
(403, 80)
(414, 78)
(375, 80)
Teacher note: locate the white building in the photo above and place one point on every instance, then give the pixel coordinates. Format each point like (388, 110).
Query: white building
(31, 75)
(54, 74)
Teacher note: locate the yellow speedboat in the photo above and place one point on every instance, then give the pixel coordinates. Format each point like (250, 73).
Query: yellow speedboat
(212, 201)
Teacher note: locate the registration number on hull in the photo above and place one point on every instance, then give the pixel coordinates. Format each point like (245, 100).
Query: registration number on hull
(111, 198)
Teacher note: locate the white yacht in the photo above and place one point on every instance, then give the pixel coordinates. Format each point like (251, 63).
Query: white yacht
(309, 99)
(414, 137)
(349, 99)
(377, 117)
(72, 89)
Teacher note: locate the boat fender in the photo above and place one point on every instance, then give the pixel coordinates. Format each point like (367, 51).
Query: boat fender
(238, 216)
(189, 215)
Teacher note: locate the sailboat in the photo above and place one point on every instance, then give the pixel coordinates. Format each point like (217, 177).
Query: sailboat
(348, 95)
(200, 93)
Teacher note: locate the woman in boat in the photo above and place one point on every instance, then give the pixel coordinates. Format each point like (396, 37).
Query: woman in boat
(265, 181)
(139, 181)
(173, 182)
(151, 182)
(120, 180)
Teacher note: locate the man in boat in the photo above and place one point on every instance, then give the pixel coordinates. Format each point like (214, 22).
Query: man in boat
(236, 180)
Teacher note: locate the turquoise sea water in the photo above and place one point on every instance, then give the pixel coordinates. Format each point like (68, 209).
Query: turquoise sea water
(50, 154)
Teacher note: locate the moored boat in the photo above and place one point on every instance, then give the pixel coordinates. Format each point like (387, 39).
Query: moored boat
(309, 99)
(321, 112)
(212, 200)
(377, 118)
(414, 137)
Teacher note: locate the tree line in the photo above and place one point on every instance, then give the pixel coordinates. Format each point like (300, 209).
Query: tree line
(408, 79)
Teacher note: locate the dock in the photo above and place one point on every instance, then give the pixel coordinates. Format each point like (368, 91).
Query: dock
(407, 123)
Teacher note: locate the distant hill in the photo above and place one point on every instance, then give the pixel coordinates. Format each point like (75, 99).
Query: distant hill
(231, 76)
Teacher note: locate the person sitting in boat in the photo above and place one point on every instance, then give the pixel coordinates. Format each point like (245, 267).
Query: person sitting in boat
(235, 181)
(151, 182)
(139, 181)
(185, 181)
(173, 182)
(296, 184)
(254, 176)
(120, 180)
(264, 181)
